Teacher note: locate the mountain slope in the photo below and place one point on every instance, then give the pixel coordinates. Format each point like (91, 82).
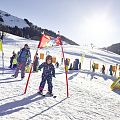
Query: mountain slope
(12, 21)
(114, 48)
(24, 28)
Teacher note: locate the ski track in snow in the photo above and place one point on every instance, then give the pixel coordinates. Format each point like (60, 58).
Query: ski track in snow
(90, 96)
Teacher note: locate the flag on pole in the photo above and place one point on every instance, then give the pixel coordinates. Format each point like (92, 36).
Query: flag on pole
(44, 41)
(1, 48)
(58, 41)
(47, 41)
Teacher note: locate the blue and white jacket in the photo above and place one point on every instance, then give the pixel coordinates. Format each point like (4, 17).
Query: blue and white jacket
(48, 69)
(24, 55)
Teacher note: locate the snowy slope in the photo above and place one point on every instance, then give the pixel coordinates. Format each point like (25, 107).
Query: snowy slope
(90, 96)
(12, 21)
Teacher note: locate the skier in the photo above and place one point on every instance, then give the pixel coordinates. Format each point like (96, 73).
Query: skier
(93, 67)
(76, 64)
(48, 73)
(111, 71)
(14, 63)
(62, 60)
(103, 69)
(36, 63)
(80, 66)
(11, 59)
(66, 64)
(71, 67)
(23, 59)
(2, 36)
(57, 64)
(116, 71)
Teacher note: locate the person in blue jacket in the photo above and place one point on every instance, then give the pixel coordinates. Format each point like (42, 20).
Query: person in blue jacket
(23, 59)
(48, 73)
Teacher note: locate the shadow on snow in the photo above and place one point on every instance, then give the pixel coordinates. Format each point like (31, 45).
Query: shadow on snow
(48, 108)
(18, 105)
(93, 75)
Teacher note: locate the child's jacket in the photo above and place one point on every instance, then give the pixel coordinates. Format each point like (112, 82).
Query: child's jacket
(48, 69)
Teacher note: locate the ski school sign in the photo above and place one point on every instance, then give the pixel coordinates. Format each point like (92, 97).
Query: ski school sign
(47, 41)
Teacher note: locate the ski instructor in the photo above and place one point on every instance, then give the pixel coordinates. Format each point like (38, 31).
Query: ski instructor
(24, 58)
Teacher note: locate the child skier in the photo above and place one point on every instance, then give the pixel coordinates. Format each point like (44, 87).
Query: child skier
(48, 73)
(14, 63)
(103, 69)
(12, 58)
(36, 63)
(93, 67)
(57, 64)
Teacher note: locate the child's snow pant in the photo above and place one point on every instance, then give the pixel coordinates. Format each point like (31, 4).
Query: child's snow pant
(47, 78)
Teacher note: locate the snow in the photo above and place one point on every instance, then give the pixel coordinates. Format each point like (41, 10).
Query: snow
(12, 21)
(90, 96)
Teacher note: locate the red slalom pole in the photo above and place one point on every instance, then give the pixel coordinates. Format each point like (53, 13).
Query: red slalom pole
(65, 70)
(33, 64)
(30, 72)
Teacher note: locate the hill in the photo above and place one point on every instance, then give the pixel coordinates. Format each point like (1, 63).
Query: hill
(24, 28)
(114, 48)
(90, 96)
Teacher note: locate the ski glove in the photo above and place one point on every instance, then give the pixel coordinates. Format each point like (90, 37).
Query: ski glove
(54, 76)
(39, 69)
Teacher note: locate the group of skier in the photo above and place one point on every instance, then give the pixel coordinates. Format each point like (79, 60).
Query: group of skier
(23, 58)
(112, 71)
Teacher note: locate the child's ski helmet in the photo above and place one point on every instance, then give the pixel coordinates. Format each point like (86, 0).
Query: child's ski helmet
(49, 57)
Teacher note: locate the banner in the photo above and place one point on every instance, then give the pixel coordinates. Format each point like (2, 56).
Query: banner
(44, 41)
(48, 41)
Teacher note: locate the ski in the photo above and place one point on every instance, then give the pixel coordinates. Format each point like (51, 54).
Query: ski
(49, 96)
(46, 95)
(41, 94)
(54, 96)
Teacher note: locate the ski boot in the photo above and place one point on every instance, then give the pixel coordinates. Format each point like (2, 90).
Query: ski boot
(49, 93)
(40, 92)
(13, 76)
